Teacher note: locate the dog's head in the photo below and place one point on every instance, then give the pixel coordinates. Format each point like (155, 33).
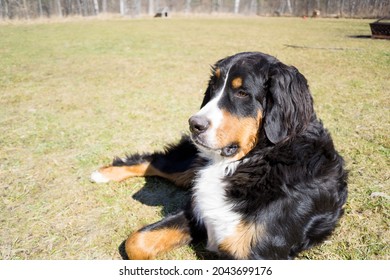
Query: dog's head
(250, 95)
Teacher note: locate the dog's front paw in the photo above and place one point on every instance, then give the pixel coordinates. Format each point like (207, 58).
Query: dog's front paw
(99, 178)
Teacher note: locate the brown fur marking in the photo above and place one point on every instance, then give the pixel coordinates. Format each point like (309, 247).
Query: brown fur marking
(237, 83)
(217, 73)
(146, 245)
(240, 243)
(120, 173)
(243, 131)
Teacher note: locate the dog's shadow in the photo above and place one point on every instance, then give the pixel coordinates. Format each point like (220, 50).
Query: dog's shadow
(159, 192)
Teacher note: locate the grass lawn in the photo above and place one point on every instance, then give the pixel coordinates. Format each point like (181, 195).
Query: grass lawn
(74, 94)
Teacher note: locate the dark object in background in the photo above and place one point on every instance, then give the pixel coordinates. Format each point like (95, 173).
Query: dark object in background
(380, 29)
(164, 12)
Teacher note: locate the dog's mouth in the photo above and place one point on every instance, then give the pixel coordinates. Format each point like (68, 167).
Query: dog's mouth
(226, 151)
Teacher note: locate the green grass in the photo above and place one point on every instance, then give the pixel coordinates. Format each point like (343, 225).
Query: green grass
(75, 94)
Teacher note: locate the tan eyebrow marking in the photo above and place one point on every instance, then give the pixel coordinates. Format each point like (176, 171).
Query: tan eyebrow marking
(237, 82)
(218, 73)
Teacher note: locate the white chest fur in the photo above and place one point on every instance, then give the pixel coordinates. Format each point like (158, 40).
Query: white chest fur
(211, 207)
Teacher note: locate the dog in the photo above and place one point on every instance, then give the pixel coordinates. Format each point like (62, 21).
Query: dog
(265, 179)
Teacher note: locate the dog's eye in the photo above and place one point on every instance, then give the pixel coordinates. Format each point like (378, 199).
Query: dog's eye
(241, 94)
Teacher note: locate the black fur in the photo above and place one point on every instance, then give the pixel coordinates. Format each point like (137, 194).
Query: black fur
(175, 158)
(297, 188)
(293, 182)
(289, 104)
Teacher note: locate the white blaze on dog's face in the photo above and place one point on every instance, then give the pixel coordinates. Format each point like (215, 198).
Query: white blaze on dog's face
(213, 116)
(228, 123)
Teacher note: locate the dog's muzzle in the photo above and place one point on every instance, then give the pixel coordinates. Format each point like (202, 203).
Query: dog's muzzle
(198, 127)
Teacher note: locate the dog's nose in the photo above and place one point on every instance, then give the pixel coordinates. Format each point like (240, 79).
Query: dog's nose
(198, 124)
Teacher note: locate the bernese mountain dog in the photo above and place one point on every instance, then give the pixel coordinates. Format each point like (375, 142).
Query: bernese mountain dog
(265, 179)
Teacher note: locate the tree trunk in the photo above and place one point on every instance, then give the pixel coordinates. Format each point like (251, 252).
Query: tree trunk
(1, 9)
(259, 7)
(136, 8)
(187, 8)
(40, 8)
(59, 8)
(341, 8)
(96, 6)
(253, 7)
(80, 8)
(307, 7)
(151, 7)
(104, 6)
(85, 7)
(122, 6)
(25, 10)
(236, 6)
(327, 7)
(288, 4)
(216, 6)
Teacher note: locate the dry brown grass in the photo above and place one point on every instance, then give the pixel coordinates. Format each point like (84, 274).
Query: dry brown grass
(74, 94)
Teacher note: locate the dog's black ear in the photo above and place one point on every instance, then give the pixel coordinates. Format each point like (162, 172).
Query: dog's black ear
(289, 105)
